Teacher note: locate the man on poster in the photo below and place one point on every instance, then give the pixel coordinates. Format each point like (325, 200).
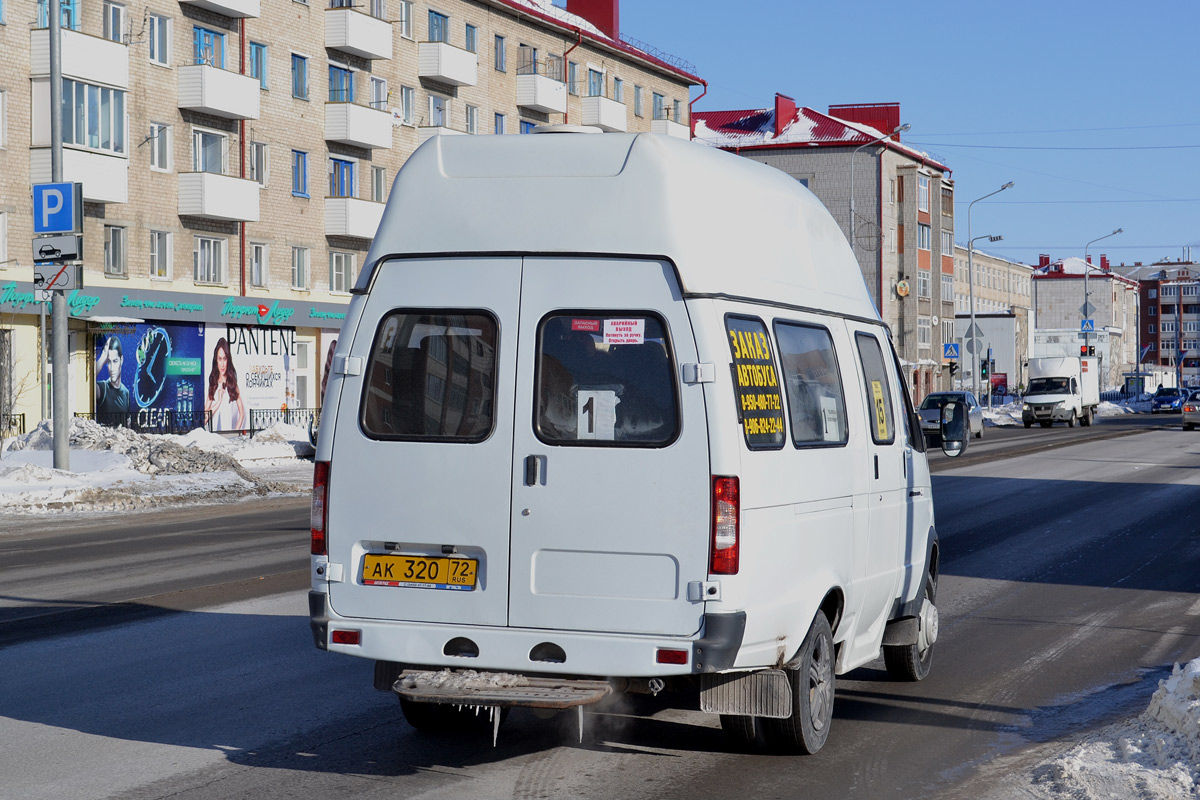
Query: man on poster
(111, 395)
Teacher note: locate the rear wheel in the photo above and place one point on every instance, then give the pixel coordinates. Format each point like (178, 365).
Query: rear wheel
(911, 662)
(812, 695)
(744, 733)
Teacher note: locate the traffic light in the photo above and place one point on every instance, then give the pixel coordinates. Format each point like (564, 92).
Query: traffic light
(1083, 350)
(953, 368)
(983, 368)
(1091, 349)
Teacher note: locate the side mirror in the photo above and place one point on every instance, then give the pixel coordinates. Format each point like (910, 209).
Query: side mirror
(954, 427)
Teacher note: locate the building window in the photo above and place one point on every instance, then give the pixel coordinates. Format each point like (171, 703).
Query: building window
(923, 287)
(299, 77)
(379, 184)
(892, 191)
(379, 93)
(69, 11)
(439, 27)
(341, 84)
(379, 9)
(499, 55)
(208, 47)
(404, 19)
(947, 287)
(300, 268)
(677, 110)
(1151, 328)
(658, 106)
(341, 178)
(527, 127)
(258, 265)
(93, 116)
(407, 105)
(924, 236)
(341, 272)
(1167, 327)
(299, 173)
(526, 60)
(947, 201)
(472, 119)
(947, 242)
(572, 77)
(208, 152)
(1169, 290)
(499, 124)
(160, 40)
(924, 333)
(114, 21)
(160, 146)
(208, 260)
(618, 90)
(439, 112)
(1151, 294)
(160, 255)
(258, 63)
(472, 39)
(258, 162)
(595, 83)
(114, 250)
(922, 193)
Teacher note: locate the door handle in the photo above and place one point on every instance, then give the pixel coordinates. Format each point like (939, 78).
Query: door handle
(531, 470)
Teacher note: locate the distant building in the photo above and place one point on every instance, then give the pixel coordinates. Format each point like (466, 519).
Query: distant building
(903, 229)
(1166, 338)
(1002, 291)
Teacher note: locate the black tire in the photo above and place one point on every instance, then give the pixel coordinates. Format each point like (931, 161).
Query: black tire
(980, 434)
(908, 662)
(441, 718)
(807, 729)
(745, 734)
(1071, 419)
(1028, 424)
(1189, 427)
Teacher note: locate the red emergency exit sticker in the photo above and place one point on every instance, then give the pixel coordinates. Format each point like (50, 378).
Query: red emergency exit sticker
(589, 325)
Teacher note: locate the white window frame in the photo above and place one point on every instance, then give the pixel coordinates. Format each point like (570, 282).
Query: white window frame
(924, 236)
(947, 242)
(472, 119)
(379, 93)
(408, 107)
(301, 269)
(216, 247)
(923, 283)
(198, 131)
(1151, 328)
(116, 247)
(113, 10)
(341, 272)
(618, 90)
(158, 35)
(638, 100)
(947, 287)
(379, 185)
(161, 257)
(924, 333)
(435, 99)
(923, 193)
(160, 147)
(379, 9)
(404, 19)
(259, 259)
(260, 168)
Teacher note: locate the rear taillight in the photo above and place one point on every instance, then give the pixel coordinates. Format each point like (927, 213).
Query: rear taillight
(725, 513)
(320, 508)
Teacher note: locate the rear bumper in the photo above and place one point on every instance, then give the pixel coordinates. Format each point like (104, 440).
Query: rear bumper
(599, 655)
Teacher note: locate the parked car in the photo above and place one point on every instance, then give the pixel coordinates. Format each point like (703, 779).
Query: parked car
(1167, 400)
(1191, 411)
(931, 410)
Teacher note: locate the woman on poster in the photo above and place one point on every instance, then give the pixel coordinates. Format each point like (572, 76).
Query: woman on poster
(224, 403)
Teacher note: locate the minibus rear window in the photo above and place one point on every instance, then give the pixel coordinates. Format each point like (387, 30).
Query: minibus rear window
(605, 378)
(431, 376)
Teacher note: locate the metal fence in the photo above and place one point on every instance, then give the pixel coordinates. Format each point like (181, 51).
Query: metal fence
(263, 418)
(12, 424)
(166, 420)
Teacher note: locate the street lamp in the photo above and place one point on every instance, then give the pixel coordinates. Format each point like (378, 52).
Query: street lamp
(971, 282)
(853, 244)
(1087, 268)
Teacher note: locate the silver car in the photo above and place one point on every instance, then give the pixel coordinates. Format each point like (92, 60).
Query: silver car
(1191, 410)
(931, 412)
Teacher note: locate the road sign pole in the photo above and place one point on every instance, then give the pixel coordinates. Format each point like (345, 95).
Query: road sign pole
(62, 373)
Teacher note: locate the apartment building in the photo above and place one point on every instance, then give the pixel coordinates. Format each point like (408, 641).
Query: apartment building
(903, 221)
(1002, 292)
(235, 156)
(1168, 317)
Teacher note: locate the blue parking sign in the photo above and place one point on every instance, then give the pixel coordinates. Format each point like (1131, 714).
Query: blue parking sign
(950, 350)
(57, 207)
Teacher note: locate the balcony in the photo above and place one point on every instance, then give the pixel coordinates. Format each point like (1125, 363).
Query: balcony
(219, 92)
(209, 195)
(105, 176)
(608, 115)
(358, 126)
(670, 128)
(427, 132)
(91, 59)
(238, 9)
(350, 216)
(444, 63)
(357, 33)
(540, 93)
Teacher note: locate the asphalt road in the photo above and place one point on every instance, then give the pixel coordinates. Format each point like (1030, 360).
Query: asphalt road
(1070, 584)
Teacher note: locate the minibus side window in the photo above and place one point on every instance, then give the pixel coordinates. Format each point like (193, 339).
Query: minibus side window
(815, 398)
(879, 393)
(755, 383)
(431, 376)
(912, 423)
(605, 379)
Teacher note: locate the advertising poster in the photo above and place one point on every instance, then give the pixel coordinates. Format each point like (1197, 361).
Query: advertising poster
(148, 376)
(246, 368)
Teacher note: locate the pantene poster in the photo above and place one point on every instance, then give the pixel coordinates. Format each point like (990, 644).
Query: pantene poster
(246, 368)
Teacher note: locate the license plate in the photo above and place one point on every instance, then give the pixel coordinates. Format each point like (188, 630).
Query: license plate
(420, 572)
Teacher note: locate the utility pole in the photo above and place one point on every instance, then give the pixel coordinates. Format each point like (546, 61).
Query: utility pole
(62, 354)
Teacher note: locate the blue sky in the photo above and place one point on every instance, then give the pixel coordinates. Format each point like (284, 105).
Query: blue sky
(1092, 108)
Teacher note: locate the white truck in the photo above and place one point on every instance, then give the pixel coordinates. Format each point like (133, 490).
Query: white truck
(1061, 389)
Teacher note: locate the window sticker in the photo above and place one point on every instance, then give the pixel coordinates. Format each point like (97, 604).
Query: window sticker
(881, 416)
(624, 331)
(596, 414)
(760, 402)
(588, 325)
(829, 413)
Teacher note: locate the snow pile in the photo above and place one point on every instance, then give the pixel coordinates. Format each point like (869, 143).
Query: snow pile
(467, 679)
(1156, 756)
(113, 469)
